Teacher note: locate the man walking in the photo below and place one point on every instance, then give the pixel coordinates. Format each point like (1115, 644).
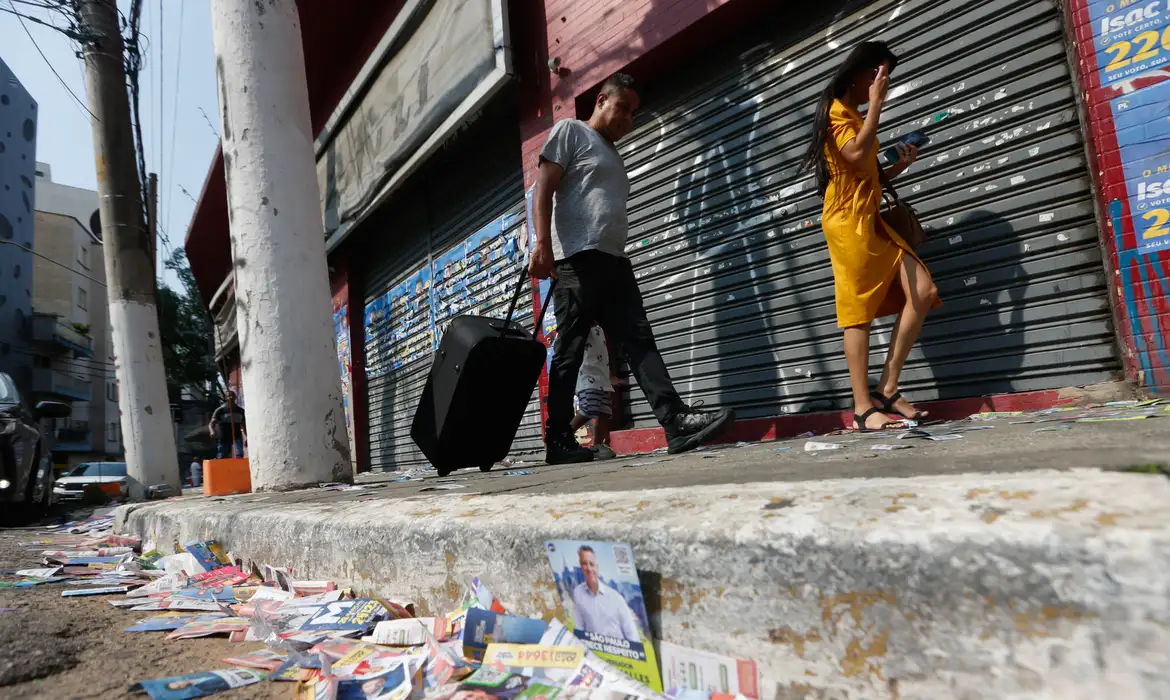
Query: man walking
(227, 426)
(581, 228)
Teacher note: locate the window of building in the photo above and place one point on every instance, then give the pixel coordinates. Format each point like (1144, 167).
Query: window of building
(82, 299)
(112, 432)
(112, 391)
(83, 257)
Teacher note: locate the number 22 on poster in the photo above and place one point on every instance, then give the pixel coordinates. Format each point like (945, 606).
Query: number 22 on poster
(1148, 45)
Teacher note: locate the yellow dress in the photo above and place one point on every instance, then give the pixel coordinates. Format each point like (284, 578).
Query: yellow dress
(866, 253)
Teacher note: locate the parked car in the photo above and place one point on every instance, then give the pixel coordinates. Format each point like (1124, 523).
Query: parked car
(26, 466)
(110, 477)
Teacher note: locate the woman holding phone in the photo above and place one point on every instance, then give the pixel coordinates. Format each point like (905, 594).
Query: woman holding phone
(875, 272)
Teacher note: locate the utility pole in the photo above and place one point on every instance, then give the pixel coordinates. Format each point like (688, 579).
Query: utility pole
(152, 219)
(296, 427)
(145, 409)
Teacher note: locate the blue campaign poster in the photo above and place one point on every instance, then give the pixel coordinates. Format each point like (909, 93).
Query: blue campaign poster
(1142, 121)
(1131, 38)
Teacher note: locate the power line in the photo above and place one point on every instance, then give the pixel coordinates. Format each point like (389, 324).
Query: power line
(162, 66)
(37, 46)
(175, 113)
(61, 264)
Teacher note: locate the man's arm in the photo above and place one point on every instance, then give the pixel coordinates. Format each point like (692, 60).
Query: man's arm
(541, 264)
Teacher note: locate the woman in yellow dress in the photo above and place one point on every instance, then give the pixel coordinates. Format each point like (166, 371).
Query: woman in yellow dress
(875, 272)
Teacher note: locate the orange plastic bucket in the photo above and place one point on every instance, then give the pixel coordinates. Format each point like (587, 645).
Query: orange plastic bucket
(224, 477)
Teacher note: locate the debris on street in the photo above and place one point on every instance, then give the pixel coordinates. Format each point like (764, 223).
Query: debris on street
(326, 642)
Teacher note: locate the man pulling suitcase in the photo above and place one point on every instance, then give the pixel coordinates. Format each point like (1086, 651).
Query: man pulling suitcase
(581, 227)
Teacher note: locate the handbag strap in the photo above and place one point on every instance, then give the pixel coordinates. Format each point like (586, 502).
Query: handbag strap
(888, 186)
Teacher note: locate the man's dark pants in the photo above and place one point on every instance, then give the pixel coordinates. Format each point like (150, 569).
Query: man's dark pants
(595, 287)
(223, 450)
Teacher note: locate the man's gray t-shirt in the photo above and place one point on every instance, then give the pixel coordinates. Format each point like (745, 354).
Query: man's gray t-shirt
(589, 205)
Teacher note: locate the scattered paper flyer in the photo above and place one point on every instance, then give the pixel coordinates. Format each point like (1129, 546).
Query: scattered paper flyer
(179, 603)
(814, 446)
(407, 632)
(484, 627)
(263, 659)
(598, 583)
(197, 685)
(690, 669)
(534, 660)
(39, 573)
(886, 447)
(206, 628)
(169, 622)
(94, 591)
(355, 615)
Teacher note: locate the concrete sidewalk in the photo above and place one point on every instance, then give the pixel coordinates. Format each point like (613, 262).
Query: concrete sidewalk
(1007, 563)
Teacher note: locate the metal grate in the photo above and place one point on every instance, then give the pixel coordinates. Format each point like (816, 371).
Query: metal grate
(474, 193)
(725, 235)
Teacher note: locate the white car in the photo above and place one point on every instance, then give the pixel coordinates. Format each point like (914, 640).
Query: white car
(111, 476)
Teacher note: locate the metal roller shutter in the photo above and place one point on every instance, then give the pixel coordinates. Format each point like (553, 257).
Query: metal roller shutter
(725, 235)
(452, 234)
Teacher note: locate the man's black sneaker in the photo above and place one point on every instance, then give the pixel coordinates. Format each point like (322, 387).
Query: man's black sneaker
(563, 449)
(691, 427)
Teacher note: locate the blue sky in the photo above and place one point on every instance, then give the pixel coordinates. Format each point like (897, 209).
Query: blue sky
(179, 141)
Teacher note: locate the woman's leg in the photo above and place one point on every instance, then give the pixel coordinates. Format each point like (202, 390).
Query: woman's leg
(857, 357)
(920, 297)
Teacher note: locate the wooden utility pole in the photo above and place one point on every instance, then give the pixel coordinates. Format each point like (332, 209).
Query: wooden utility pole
(152, 218)
(151, 459)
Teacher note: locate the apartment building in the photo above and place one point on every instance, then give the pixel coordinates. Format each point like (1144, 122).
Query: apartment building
(70, 322)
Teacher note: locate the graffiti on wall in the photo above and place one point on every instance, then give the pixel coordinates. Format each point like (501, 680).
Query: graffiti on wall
(1130, 67)
(475, 276)
(344, 355)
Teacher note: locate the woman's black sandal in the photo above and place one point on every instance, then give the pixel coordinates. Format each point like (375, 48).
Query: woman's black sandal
(887, 405)
(860, 420)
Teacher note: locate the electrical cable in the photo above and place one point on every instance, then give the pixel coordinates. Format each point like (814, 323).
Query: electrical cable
(37, 46)
(174, 114)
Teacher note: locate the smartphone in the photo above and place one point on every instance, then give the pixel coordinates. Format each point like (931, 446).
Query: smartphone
(914, 138)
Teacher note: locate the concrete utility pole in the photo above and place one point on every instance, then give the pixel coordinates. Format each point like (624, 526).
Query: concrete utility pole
(150, 444)
(292, 388)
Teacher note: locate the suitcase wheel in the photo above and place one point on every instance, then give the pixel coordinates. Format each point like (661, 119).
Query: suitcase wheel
(486, 467)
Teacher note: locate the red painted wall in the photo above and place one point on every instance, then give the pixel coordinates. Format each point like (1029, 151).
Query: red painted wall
(1139, 283)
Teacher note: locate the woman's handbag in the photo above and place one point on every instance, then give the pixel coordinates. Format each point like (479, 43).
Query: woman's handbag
(901, 217)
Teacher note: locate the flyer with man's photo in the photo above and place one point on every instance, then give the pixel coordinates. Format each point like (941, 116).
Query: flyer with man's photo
(599, 588)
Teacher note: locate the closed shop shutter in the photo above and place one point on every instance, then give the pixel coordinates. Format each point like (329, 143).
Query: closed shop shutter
(725, 234)
(445, 246)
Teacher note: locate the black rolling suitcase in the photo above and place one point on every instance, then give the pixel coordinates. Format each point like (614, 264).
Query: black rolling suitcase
(480, 382)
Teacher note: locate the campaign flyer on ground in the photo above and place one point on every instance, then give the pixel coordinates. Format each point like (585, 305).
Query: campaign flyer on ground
(598, 585)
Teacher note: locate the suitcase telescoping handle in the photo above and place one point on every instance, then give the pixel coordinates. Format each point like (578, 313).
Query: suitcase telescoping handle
(516, 299)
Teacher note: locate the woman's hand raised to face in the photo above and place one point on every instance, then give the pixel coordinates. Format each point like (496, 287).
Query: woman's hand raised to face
(879, 87)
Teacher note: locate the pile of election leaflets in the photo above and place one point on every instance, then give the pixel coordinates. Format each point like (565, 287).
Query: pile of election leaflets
(328, 643)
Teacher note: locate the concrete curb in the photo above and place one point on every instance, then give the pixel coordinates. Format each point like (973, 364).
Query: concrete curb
(1043, 584)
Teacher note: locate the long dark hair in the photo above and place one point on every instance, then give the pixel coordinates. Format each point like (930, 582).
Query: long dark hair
(865, 56)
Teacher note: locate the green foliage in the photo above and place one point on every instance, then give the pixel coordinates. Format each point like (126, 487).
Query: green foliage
(187, 333)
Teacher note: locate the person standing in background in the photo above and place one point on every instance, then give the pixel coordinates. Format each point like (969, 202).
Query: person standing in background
(875, 272)
(196, 472)
(227, 427)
